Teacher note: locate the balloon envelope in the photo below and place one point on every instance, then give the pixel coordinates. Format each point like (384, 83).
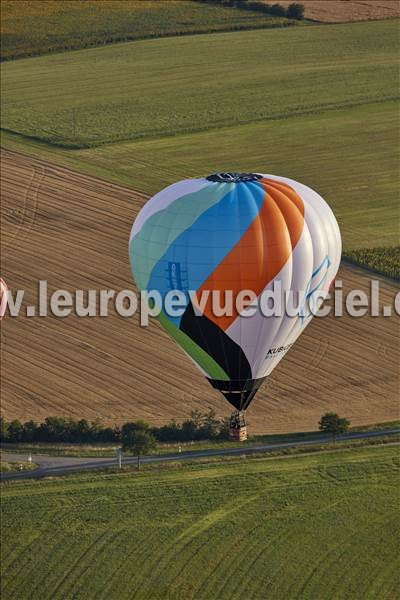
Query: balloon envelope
(231, 232)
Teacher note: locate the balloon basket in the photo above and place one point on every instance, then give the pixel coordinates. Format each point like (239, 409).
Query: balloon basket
(237, 427)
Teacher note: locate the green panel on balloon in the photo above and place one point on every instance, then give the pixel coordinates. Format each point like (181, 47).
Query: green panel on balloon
(204, 360)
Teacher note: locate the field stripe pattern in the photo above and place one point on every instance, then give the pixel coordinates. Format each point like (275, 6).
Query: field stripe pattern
(321, 526)
(73, 230)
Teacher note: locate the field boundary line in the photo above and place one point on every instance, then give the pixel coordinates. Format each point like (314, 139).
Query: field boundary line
(151, 136)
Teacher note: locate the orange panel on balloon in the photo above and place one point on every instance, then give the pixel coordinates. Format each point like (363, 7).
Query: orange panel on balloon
(262, 251)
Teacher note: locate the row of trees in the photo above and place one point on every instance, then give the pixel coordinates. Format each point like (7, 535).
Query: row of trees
(139, 439)
(200, 426)
(295, 10)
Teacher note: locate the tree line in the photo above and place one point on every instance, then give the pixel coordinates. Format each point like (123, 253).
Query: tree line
(294, 10)
(200, 426)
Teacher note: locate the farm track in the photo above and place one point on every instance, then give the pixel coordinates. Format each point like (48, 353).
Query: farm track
(72, 230)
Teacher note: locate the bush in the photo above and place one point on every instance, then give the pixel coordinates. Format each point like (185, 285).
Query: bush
(137, 437)
(15, 430)
(3, 430)
(277, 10)
(331, 423)
(295, 11)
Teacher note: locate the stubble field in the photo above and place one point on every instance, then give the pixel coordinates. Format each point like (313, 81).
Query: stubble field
(72, 230)
(339, 11)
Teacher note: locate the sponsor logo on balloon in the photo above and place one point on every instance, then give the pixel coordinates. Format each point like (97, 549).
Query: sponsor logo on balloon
(175, 276)
(273, 351)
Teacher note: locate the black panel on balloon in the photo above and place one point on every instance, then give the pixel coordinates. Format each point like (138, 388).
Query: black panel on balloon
(216, 343)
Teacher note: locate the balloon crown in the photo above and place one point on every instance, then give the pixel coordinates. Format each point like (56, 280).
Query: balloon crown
(233, 177)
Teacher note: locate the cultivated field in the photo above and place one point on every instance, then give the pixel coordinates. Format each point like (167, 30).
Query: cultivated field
(341, 170)
(72, 230)
(322, 526)
(340, 121)
(43, 26)
(111, 94)
(337, 133)
(316, 103)
(380, 260)
(339, 11)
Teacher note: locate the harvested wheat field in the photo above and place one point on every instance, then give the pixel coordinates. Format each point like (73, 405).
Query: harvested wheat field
(72, 230)
(341, 11)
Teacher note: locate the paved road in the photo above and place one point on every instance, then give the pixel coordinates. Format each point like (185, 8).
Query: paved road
(62, 465)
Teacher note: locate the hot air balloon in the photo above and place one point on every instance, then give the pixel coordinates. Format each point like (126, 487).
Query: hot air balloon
(235, 231)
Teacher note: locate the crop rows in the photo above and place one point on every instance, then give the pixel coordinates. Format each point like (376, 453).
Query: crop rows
(381, 260)
(45, 26)
(285, 528)
(159, 87)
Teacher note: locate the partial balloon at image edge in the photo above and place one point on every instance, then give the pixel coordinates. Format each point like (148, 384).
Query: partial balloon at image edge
(3, 297)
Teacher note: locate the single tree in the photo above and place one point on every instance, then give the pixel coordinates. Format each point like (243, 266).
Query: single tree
(333, 424)
(210, 426)
(15, 431)
(138, 439)
(29, 432)
(197, 417)
(188, 431)
(224, 426)
(82, 431)
(3, 430)
(295, 11)
(277, 10)
(54, 429)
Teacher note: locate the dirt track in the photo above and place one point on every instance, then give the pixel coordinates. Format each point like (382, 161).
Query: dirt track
(341, 11)
(72, 230)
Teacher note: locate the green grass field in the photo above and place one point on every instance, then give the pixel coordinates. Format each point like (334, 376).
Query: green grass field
(363, 197)
(314, 103)
(42, 26)
(311, 103)
(172, 86)
(321, 526)
(6, 466)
